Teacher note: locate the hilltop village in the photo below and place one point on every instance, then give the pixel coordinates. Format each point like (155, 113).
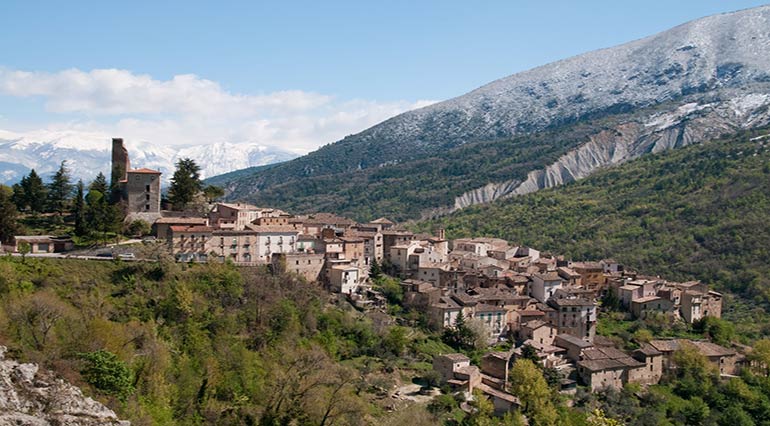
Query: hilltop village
(544, 305)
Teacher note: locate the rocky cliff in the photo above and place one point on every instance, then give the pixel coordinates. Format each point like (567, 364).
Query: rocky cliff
(31, 396)
(687, 124)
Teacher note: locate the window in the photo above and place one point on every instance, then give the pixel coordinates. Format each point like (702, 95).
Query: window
(147, 197)
(147, 188)
(147, 207)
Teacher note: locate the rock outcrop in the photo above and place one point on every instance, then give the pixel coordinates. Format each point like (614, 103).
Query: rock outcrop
(687, 124)
(35, 397)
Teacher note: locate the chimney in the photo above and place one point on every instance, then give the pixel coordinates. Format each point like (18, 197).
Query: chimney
(441, 234)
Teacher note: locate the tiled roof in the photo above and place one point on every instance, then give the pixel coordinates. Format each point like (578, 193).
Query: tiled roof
(145, 171)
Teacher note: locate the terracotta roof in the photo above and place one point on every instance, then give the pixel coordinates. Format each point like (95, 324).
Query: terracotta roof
(603, 353)
(534, 324)
(550, 276)
(383, 220)
(712, 349)
(145, 171)
(572, 340)
(601, 364)
(240, 206)
(646, 299)
(499, 355)
(665, 345)
(182, 220)
(485, 307)
(272, 228)
(186, 228)
(571, 302)
(505, 396)
(647, 350)
(456, 357)
(531, 313)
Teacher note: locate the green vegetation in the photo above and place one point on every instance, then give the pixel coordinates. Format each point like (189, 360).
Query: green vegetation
(364, 182)
(9, 224)
(168, 343)
(185, 184)
(700, 212)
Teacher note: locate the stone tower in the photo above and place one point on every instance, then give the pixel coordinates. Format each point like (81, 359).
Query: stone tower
(120, 162)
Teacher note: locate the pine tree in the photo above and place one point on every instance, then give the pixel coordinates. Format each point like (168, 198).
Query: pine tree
(60, 190)
(185, 184)
(79, 210)
(100, 215)
(34, 192)
(8, 224)
(99, 184)
(18, 197)
(212, 192)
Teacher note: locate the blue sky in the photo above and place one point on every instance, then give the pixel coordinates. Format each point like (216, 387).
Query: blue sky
(295, 74)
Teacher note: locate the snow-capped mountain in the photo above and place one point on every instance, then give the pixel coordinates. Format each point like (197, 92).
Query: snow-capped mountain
(88, 153)
(695, 81)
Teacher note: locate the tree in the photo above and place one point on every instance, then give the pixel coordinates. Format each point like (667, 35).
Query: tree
(9, 225)
(185, 184)
(374, 270)
(79, 210)
(99, 184)
(760, 357)
(30, 193)
(23, 248)
(212, 192)
(695, 373)
(100, 215)
(60, 190)
(598, 418)
(138, 228)
(528, 384)
(106, 372)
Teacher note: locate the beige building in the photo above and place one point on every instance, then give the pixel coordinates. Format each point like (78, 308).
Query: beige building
(44, 243)
(236, 216)
(143, 191)
(307, 265)
(163, 225)
(253, 245)
(576, 317)
(189, 243)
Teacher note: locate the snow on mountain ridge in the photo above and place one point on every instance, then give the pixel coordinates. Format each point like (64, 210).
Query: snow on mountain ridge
(88, 153)
(726, 50)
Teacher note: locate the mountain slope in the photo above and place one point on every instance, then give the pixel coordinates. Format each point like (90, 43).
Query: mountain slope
(89, 153)
(699, 212)
(713, 61)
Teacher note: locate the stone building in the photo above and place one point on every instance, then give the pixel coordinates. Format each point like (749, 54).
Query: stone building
(139, 188)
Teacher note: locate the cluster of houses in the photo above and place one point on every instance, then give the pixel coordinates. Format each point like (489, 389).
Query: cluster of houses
(542, 302)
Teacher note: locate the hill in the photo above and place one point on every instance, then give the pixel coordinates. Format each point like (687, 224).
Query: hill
(699, 212)
(688, 84)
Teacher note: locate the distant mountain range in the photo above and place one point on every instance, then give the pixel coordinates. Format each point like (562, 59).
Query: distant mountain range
(539, 128)
(87, 154)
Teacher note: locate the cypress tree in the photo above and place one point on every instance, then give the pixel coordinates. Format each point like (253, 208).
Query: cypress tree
(60, 190)
(79, 210)
(34, 192)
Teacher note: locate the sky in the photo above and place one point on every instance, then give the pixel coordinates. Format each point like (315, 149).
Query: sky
(288, 74)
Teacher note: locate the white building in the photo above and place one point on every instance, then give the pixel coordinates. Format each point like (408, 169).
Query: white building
(543, 286)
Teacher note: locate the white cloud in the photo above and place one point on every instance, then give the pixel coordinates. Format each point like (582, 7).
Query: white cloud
(190, 110)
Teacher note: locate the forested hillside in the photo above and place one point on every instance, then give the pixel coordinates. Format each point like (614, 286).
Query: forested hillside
(700, 212)
(172, 344)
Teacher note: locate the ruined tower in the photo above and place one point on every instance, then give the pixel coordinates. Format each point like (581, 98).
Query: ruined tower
(120, 162)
